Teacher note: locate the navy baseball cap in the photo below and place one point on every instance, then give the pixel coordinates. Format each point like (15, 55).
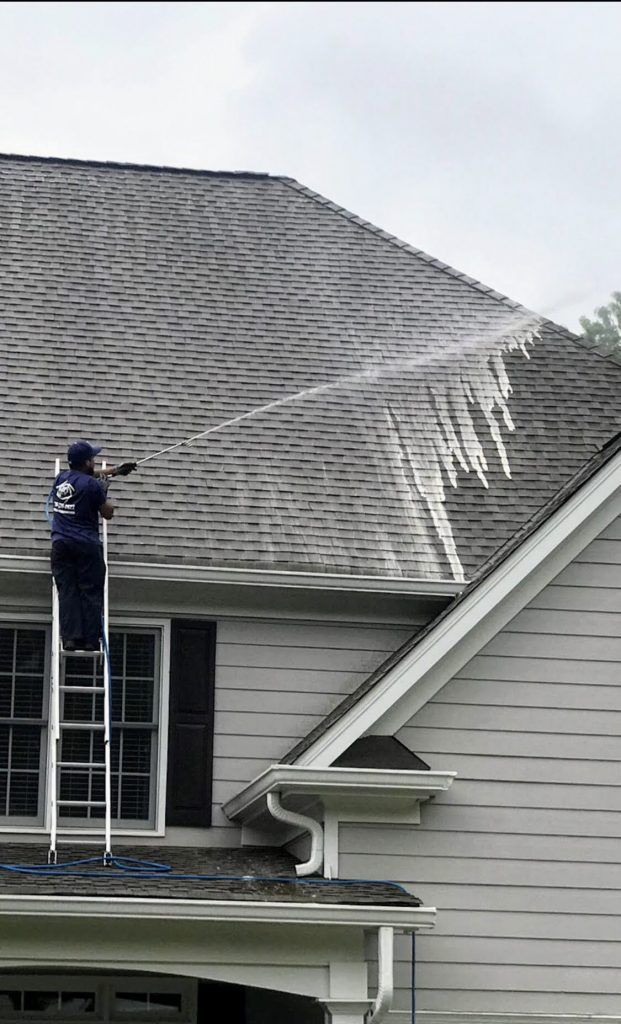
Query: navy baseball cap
(80, 451)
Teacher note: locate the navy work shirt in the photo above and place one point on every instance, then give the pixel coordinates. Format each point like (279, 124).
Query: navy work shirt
(76, 500)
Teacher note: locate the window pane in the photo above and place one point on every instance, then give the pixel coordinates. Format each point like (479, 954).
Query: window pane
(30, 651)
(7, 650)
(20, 749)
(28, 697)
(6, 694)
(158, 1004)
(131, 1002)
(25, 747)
(24, 794)
(140, 655)
(10, 1002)
(138, 700)
(41, 1002)
(165, 1002)
(77, 1002)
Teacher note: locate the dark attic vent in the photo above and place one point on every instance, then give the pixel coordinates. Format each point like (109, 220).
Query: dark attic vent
(380, 752)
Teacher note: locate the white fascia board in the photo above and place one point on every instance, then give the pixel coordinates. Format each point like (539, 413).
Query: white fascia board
(291, 780)
(136, 908)
(253, 577)
(481, 615)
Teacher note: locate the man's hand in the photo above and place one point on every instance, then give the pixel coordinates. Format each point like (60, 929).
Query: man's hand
(125, 468)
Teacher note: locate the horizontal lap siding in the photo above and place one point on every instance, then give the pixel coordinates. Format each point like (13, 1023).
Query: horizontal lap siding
(276, 680)
(522, 856)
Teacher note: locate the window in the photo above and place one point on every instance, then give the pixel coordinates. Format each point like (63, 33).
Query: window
(97, 999)
(134, 693)
(46, 1003)
(23, 722)
(24, 671)
(166, 1004)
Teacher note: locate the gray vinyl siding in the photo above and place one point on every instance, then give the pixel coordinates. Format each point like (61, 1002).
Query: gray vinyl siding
(522, 856)
(276, 680)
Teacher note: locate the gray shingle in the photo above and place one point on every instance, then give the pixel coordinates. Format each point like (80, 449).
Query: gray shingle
(143, 305)
(252, 873)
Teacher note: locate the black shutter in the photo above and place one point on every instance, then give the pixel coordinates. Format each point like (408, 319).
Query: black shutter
(190, 736)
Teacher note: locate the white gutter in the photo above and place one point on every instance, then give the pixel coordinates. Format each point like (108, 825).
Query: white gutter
(315, 860)
(253, 577)
(135, 908)
(295, 779)
(385, 976)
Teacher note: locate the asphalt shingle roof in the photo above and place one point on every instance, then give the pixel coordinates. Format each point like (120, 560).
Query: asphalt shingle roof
(251, 873)
(142, 305)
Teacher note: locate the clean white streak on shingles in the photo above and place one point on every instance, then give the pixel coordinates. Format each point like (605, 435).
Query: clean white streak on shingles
(479, 378)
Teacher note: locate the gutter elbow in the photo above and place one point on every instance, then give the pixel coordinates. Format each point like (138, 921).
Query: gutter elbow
(279, 813)
(385, 976)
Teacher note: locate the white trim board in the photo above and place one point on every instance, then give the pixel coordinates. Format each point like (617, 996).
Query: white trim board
(335, 783)
(421, 673)
(407, 585)
(125, 908)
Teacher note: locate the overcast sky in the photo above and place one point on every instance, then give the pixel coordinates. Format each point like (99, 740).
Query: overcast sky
(485, 133)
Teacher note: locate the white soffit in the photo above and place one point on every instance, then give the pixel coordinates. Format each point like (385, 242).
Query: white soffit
(332, 784)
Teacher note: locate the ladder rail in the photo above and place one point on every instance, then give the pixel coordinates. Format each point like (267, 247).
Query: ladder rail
(57, 726)
(54, 739)
(107, 701)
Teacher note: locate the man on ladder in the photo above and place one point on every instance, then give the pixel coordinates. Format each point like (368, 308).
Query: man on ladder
(79, 497)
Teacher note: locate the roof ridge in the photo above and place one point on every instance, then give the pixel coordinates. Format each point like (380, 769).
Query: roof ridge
(500, 297)
(444, 267)
(149, 168)
(400, 244)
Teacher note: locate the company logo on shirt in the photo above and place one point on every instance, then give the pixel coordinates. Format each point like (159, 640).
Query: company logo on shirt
(65, 491)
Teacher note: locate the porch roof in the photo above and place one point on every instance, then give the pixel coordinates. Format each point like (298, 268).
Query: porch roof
(252, 874)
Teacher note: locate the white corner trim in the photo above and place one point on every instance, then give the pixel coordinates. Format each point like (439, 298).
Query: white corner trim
(290, 780)
(253, 577)
(126, 908)
(537, 560)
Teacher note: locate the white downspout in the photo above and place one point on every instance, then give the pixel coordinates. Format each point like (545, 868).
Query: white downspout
(385, 976)
(315, 861)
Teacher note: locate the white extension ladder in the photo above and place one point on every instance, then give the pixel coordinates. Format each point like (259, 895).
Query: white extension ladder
(100, 693)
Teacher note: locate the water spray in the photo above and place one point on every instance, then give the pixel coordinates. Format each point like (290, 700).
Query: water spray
(516, 333)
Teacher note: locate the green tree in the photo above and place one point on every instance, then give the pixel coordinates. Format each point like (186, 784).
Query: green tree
(605, 330)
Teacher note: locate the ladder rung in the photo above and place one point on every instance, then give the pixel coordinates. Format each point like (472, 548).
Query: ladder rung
(80, 764)
(80, 654)
(80, 803)
(82, 725)
(78, 842)
(81, 689)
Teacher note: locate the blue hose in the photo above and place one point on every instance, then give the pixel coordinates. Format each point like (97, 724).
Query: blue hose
(123, 867)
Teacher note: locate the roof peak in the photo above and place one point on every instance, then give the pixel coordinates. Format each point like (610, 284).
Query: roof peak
(147, 168)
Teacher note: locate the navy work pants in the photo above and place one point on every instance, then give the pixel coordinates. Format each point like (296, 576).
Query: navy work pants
(80, 572)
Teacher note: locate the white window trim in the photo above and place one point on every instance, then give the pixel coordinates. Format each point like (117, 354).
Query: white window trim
(123, 622)
(104, 986)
